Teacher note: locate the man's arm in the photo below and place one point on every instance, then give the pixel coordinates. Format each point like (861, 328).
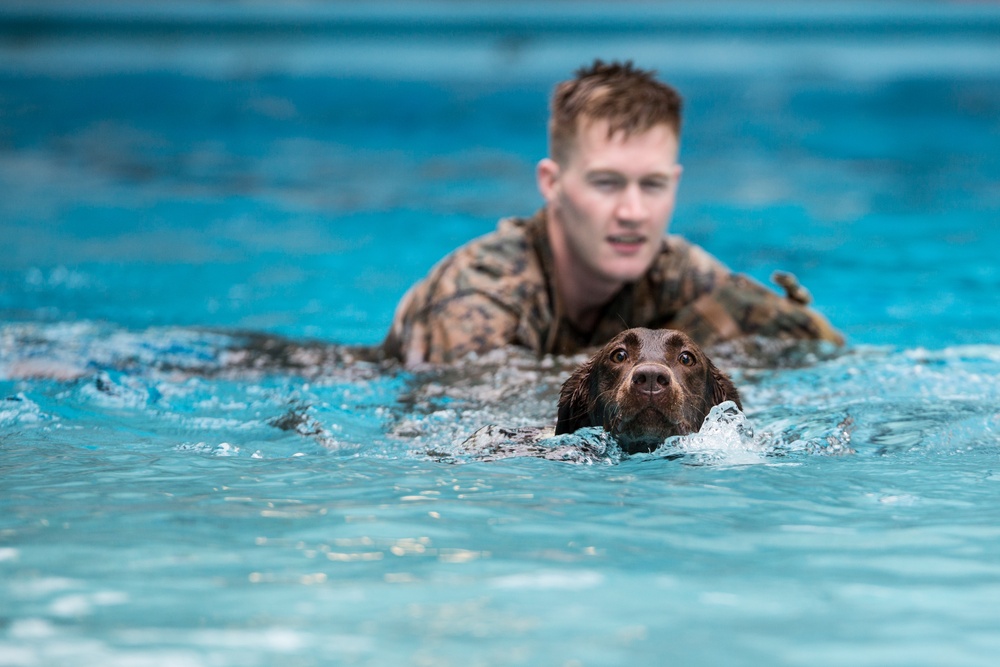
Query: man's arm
(429, 330)
(739, 306)
(711, 303)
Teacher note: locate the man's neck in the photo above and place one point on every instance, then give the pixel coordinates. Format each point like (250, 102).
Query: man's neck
(581, 294)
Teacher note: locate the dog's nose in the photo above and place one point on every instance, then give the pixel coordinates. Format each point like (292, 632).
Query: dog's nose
(650, 378)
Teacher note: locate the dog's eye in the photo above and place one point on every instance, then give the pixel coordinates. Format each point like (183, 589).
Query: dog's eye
(619, 355)
(686, 359)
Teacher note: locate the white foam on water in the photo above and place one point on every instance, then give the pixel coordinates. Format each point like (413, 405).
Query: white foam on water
(551, 580)
(82, 604)
(19, 409)
(221, 449)
(32, 628)
(36, 588)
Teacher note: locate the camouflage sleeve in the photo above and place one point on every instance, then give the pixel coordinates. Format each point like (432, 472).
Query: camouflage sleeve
(426, 330)
(474, 300)
(739, 306)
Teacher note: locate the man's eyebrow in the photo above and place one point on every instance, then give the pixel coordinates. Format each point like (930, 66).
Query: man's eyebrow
(605, 175)
(612, 173)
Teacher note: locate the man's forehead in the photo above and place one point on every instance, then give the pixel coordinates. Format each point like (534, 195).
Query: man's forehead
(606, 130)
(595, 141)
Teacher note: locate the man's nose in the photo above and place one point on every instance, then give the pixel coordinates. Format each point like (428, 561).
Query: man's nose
(632, 205)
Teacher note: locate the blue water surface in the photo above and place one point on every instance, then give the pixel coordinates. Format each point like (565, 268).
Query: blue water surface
(190, 191)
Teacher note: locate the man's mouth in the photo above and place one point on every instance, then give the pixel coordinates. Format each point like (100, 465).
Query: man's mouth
(627, 242)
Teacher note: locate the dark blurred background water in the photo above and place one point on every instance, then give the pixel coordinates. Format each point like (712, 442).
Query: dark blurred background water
(293, 168)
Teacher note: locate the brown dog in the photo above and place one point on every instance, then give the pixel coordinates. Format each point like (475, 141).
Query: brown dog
(643, 387)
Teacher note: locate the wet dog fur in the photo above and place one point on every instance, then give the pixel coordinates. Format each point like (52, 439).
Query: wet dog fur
(644, 386)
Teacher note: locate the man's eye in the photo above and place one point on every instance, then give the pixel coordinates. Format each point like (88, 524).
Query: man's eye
(619, 355)
(686, 359)
(656, 185)
(605, 183)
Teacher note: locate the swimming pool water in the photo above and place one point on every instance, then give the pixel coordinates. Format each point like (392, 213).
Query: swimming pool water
(171, 197)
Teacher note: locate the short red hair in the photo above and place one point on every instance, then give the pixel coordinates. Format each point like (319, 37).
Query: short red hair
(630, 99)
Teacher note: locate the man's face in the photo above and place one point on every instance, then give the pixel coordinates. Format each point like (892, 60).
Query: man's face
(611, 200)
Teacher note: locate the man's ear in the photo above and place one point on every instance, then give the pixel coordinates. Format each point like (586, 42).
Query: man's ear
(547, 175)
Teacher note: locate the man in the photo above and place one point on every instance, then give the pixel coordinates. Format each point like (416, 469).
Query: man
(595, 260)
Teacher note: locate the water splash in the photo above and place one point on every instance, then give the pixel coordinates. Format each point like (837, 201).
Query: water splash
(586, 446)
(725, 437)
(728, 438)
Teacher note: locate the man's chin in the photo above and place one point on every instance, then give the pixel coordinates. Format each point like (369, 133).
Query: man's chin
(628, 273)
(630, 267)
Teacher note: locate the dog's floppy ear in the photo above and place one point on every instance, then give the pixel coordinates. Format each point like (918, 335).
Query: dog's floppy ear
(574, 400)
(722, 388)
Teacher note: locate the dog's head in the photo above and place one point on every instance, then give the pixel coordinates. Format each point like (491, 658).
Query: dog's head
(643, 387)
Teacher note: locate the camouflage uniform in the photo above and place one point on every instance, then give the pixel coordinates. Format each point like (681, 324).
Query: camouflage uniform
(498, 290)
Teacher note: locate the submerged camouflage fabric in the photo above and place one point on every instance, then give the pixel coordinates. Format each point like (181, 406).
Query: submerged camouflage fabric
(497, 290)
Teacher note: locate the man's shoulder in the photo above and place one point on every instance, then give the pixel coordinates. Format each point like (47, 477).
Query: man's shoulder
(508, 252)
(502, 266)
(677, 253)
(675, 244)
